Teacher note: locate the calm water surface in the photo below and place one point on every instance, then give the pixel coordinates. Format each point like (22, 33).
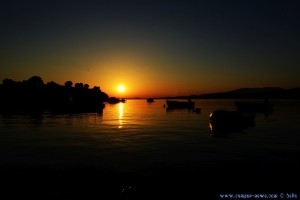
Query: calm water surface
(140, 140)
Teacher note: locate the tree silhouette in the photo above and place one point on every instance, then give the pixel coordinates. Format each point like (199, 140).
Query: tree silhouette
(52, 84)
(8, 82)
(35, 81)
(68, 84)
(86, 86)
(79, 85)
(95, 88)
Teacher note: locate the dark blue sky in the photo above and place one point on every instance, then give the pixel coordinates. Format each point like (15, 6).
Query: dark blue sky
(193, 46)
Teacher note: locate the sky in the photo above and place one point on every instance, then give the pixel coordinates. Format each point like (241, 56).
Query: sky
(153, 48)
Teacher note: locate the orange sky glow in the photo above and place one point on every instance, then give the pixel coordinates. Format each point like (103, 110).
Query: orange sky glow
(153, 48)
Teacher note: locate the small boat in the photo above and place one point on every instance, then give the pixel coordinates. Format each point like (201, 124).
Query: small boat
(254, 106)
(226, 121)
(150, 100)
(180, 104)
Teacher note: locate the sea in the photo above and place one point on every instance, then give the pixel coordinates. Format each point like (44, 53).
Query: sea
(139, 150)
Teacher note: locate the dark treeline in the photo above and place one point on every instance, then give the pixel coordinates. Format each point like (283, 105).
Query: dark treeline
(34, 96)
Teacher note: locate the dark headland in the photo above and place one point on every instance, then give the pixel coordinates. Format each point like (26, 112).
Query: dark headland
(34, 96)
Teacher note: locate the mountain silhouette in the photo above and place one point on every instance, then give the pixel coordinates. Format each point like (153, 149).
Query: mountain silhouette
(249, 93)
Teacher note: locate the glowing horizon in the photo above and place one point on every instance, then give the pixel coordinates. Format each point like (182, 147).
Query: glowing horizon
(184, 49)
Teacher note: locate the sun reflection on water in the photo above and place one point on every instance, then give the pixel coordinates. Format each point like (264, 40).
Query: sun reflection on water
(120, 114)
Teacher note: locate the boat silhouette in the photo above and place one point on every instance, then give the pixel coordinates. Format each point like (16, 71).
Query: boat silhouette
(172, 104)
(222, 121)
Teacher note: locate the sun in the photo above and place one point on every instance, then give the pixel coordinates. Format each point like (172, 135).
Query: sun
(121, 88)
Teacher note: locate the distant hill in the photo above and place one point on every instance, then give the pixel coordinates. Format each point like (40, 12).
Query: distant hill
(250, 93)
(257, 90)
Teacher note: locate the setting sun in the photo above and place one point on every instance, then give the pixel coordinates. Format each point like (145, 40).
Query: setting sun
(121, 88)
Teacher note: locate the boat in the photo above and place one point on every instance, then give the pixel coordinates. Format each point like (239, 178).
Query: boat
(180, 104)
(231, 121)
(150, 100)
(254, 106)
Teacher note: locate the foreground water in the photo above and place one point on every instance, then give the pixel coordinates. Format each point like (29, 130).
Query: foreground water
(139, 148)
